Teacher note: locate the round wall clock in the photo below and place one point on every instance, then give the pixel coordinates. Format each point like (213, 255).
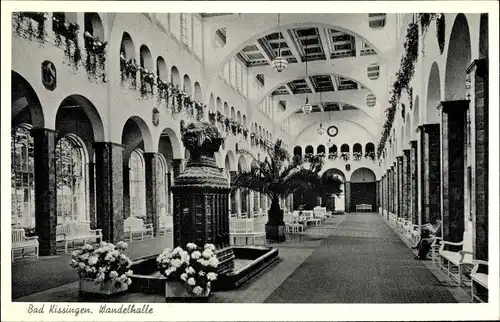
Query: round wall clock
(332, 131)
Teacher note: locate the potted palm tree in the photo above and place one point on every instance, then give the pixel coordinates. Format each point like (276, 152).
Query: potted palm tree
(278, 176)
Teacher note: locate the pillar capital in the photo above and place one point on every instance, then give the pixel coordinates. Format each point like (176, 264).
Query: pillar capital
(478, 66)
(449, 107)
(426, 128)
(406, 153)
(413, 143)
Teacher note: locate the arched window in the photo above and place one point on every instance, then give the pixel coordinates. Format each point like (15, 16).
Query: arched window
(297, 151)
(320, 149)
(162, 186)
(71, 168)
(137, 184)
(332, 149)
(309, 149)
(22, 177)
(344, 148)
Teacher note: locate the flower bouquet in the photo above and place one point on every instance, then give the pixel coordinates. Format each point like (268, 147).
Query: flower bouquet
(103, 270)
(189, 272)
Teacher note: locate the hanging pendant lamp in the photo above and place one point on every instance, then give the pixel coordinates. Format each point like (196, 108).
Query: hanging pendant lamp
(321, 129)
(306, 108)
(279, 63)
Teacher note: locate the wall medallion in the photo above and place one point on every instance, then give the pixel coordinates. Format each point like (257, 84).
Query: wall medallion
(156, 116)
(49, 79)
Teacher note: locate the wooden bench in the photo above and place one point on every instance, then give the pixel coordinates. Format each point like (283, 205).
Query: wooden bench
(454, 258)
(479, 277)
(21, 242)
(165, 224)
(135, 226)
(76, 231)
(363, 207)
(241, 232)
(293, 223)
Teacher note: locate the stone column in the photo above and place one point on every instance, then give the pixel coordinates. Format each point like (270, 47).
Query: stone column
(377, 195)
(45, 189)
(250, 203)
(453, 114)
(150, 163)
(399, 186)
(109, 190)
(430, 160)
(238, 202)
(406, 185)
(393, 193)
(479, 73)
(413, 182)
(347, 196)
(91, 183)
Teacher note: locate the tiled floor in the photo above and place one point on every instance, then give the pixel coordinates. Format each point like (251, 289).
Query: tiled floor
(353, 258)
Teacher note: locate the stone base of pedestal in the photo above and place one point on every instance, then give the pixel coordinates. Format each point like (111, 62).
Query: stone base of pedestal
(275, 232)
(226, 260)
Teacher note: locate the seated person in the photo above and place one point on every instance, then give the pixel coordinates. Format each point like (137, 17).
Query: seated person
(427, 235)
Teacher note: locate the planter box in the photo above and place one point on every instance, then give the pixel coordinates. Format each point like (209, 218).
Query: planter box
(175, 291)
(88, 285)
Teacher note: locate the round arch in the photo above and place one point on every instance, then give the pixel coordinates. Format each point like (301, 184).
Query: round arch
(188, 88)
(146, 60)
(127, 46)
(136, 134)
(363, 175)
(219, 104)
(197, 92)
(25, 105)
(93, 25)
(174, 141)
(433, 95)
(226, 109)
(309, 149)
(80, 104)
(415, 121)
(175, 78)
(161, 69)
(334, 172)
(457, 60)
(242, 163)
(230, 161)
(291, 78)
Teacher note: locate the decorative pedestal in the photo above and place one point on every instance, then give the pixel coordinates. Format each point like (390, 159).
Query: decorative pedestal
(88, 285)
(201, 210)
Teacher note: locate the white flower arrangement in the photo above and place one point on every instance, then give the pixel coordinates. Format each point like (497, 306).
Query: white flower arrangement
(194, 266)
(106, 262)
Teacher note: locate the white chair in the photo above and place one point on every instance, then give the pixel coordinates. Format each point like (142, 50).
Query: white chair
(135, 226)
(76, 231)
(21, 242)
(479, 277)
(449, 259)
(165, 224)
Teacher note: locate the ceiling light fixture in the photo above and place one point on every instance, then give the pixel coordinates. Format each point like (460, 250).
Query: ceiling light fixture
(306, 108)
(279, 63)
(321, 129)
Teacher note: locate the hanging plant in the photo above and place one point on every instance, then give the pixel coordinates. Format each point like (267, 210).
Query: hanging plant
(29, 32)
(96, 56)
(147, 82)
(370, 155)
(403, 78)
(245, 133)
(220, 117)
(332, 155)
(345, 156)
(68, 30)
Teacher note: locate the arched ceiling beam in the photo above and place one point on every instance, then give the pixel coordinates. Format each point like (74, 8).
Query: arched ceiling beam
(244, 29)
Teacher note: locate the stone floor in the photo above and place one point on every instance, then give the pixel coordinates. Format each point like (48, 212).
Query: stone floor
(353, 258)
